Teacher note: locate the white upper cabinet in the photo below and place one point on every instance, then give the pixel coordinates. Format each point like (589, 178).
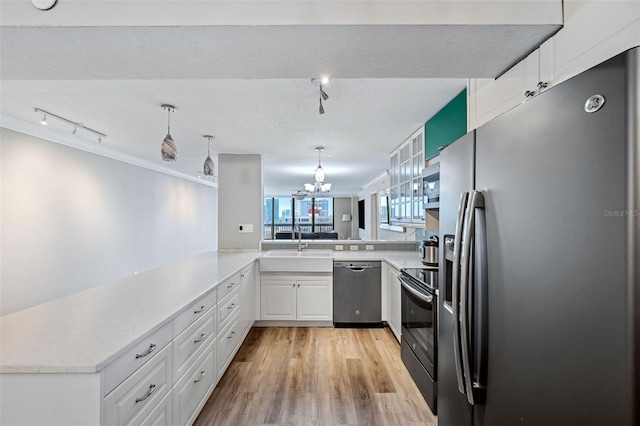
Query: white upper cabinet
(593, 32)
(406, 164)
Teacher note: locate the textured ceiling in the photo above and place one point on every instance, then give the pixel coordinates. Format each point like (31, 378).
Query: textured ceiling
(250, 87)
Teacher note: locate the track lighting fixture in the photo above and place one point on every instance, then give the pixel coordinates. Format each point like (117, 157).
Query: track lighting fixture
(168, 148)
(76, 125)
(320, 82)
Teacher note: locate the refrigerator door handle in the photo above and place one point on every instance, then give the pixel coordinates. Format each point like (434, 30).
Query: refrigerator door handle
(476, 201)
(455, 296)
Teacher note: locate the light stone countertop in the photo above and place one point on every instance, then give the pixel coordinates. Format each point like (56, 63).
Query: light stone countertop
(84, 332)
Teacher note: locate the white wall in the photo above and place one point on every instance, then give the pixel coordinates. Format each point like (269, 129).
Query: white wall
(71, 220)
(240, 200)
(341, 206)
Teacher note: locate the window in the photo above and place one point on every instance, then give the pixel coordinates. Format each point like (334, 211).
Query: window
(312, 214)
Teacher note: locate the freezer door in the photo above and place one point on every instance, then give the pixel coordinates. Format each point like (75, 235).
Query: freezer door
(456, 177)
(555, 182)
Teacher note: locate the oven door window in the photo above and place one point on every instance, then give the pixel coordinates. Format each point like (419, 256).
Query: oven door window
(418, 323)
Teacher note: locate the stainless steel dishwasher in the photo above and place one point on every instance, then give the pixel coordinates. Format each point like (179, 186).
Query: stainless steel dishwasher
(357, 294)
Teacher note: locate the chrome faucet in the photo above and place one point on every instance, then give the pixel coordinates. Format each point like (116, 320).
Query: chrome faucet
(299, 236)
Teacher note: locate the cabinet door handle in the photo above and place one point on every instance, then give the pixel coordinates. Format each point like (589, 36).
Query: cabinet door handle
(201, 338)
(233, 333)
(440, 148)
(199, 379)
(150, 391)
(298, 285)
(231, 306)
(529, 94)
(231, 285)
(150, 349)
(202, 308)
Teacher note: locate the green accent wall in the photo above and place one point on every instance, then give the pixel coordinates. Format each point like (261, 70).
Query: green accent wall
(446, 126)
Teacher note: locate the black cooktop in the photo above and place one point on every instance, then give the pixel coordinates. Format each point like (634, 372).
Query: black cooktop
(426, 277)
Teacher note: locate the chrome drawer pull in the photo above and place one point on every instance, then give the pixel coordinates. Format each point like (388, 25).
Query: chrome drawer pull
(200, 339)
(151, 348)
(200, 310)
(233, 333)
(199, 379)
(150, 391)
(231, 286)
(231, 306)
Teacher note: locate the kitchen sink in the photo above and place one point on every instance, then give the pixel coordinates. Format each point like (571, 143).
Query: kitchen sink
(296, 253)
(296, 261)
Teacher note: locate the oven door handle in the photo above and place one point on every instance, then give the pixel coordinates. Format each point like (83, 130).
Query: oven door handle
(424, 297)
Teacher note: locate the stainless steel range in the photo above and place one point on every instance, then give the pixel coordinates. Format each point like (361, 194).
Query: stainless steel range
(419, 328)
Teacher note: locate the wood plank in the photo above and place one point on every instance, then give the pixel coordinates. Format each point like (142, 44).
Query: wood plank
(317, 376)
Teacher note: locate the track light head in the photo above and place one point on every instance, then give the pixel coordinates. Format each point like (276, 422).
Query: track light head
(75, 130)
(44, 120)
(323, 94)
(321, 109)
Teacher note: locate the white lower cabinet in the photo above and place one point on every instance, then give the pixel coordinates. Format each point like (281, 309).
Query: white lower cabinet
(162, 415)
(139, 394)
(278, 299)
(191, 343)
(296, 298)
(228, 343)
(193, 389)
(393, 299)
(248, 290)
(314, 300)
(163, 378)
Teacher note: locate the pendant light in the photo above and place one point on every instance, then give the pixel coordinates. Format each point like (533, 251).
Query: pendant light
(319, 170)
(209, 167)
(168, 149)
(318, 188)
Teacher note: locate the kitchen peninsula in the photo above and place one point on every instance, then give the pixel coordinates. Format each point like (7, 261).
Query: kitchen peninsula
(187, 319)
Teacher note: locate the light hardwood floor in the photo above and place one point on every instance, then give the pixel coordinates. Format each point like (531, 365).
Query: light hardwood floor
(317, 376)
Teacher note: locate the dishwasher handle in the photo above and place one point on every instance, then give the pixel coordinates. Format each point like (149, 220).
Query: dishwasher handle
(358, 268)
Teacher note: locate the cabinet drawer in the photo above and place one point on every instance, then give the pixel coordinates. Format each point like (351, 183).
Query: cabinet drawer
(196, 310)
(140, 393)
(193, 387)
(227, 342)
(190, 344)
(228, 285)
(162, 415)
(227, 307)
(134, 358)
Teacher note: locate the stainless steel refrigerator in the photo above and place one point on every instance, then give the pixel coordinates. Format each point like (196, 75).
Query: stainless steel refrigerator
(539, 312)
